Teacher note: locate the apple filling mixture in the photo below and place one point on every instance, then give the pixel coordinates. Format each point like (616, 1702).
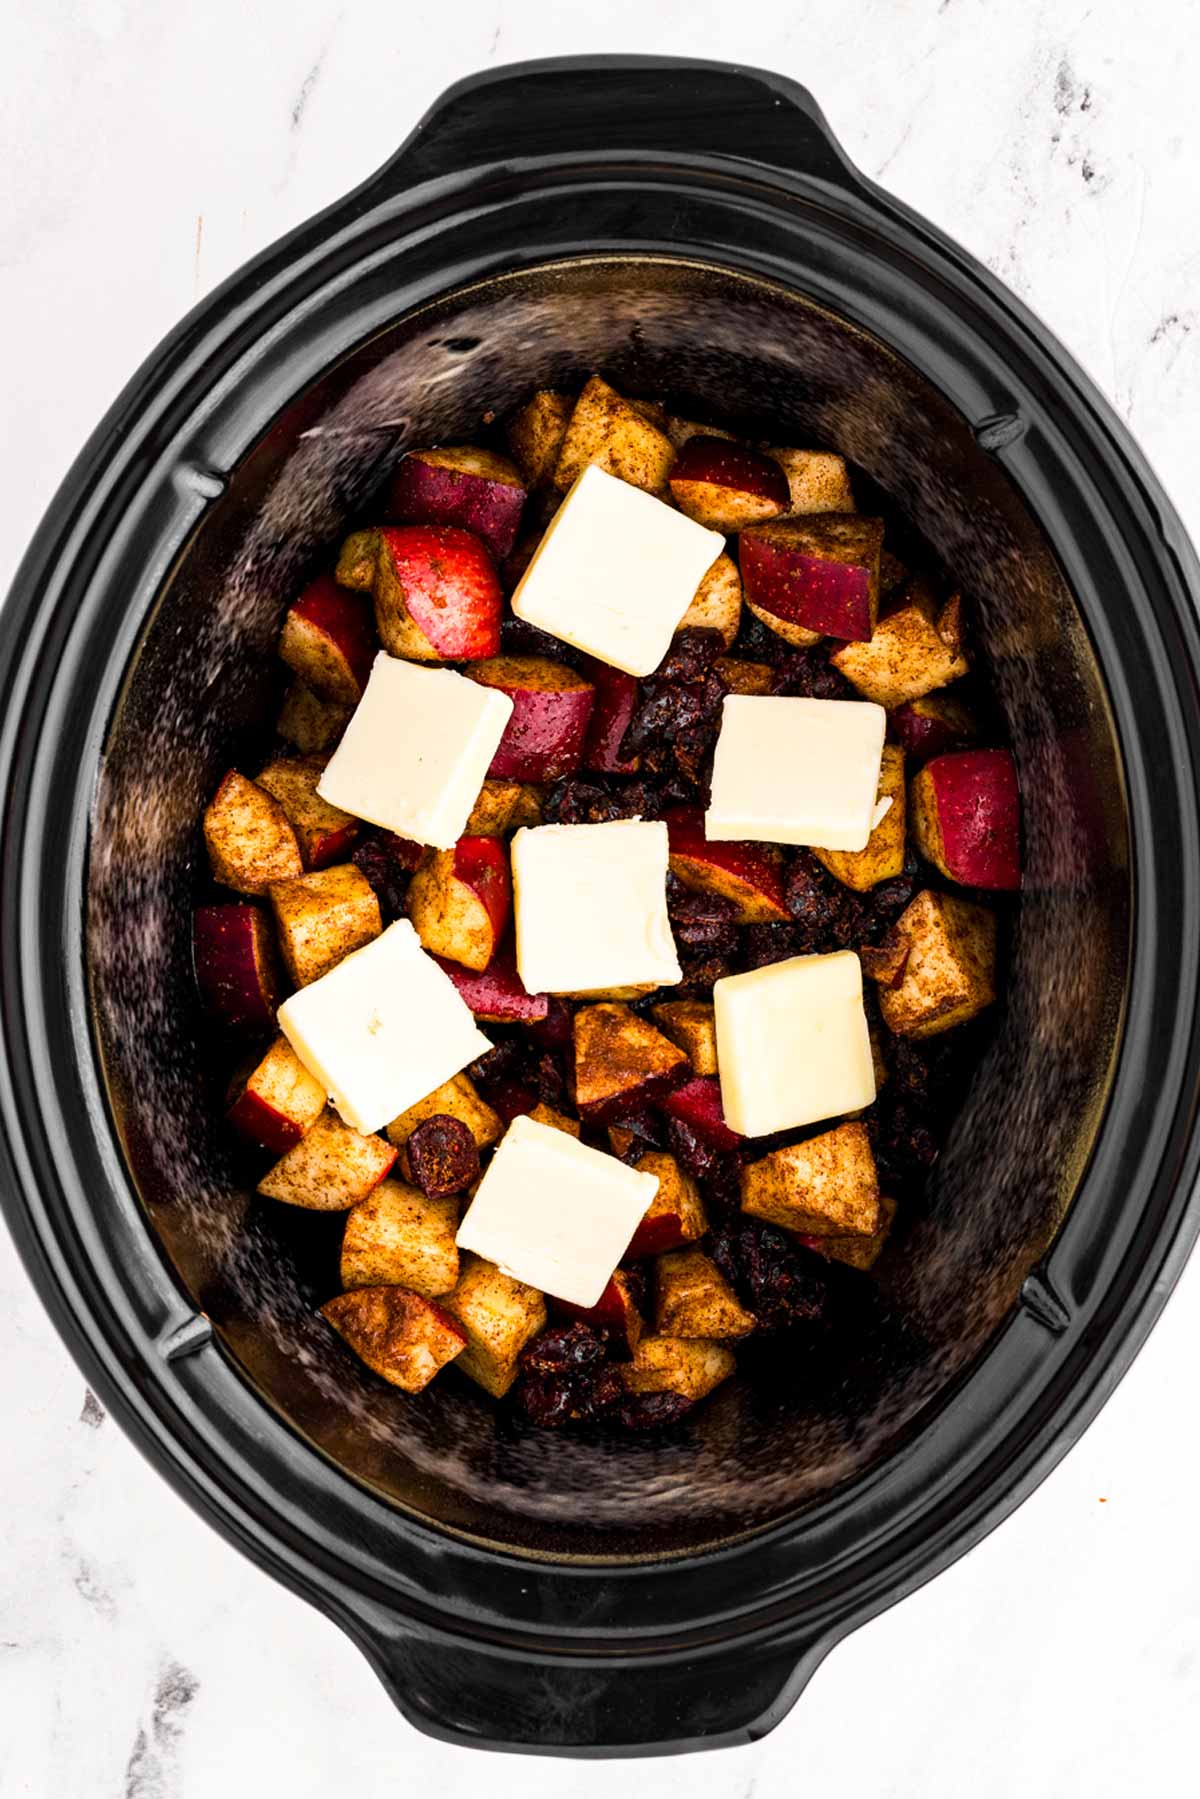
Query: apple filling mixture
(608, 913)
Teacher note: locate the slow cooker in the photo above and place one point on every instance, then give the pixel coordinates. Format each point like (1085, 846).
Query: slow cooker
(695, 231)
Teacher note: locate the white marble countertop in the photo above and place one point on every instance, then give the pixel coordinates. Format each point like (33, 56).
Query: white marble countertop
(147, 150)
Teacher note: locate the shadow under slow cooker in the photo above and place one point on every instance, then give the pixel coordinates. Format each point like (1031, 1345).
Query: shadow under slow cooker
(199, 697)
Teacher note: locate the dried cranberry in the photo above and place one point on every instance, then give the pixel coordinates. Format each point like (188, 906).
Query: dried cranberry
(810, 674)
(562, 1348)
(549, 1079)
(549, 1400)
(652, 1411)
(756, 642)
(700, 973)
(519, 638)
(693, 1154)
(782, 1284)
(702, 922)
(765, 943)
(386, 862)
(646, 1126)
(723, 1187)
(555, 1029)
(595, 802)
(565, 1376)
(692, 653)
(499, 1063)
(827, 915)
(443, 1155)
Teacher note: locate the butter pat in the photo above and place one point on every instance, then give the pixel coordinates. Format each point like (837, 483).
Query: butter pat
(591, 907)
(416, 751)
(615, 572)
(554, 1213)
(382, 1029)
(792, 1043)
(796, 771)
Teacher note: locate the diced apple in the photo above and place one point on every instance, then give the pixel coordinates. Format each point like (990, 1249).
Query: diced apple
(799, 636)
(397, 1237)
(824, 1187)
(691, 1024)
(279, 1100)
(616, 699)
(727, 486)
(817, 481)
(932, 725)
(497, 994)
(693, 1299)
(552, 705)
(456, 1098)
(502, 806)
(437, 594)
(717, 603)
(325, 833)
(329, 640)
(322, 917)
(400, 1336)
(330, 1169)
(689, 1366)
(820, 572)
(621, 1061)
(558, 1121)
(950, 970)
(857, 1252)
(535, 434)
(675, 1215)
(460, 901)
(612, 433)
(249, 840)
(884, 961)
(233, 947)
(477, 489)
(966, 816)
(883, 858)
(500, 1316)
(312, 724)
(750, 875)
(698, 1103)
(615, 1311)
(915, 648)
(356, 561)
(744, 677)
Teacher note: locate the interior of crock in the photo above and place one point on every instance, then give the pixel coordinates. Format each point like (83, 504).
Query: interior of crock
(199, 698)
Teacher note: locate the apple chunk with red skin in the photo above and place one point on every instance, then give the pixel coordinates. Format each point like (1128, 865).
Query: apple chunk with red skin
(437, 593)
(675, 1215)
(966, 818)
(329, 640)
(330, 1169)
(279, 1100)
(717, 602)
(400, 1336)
(325, 833)
(552, 706)
(615, 1311)
(932, 725)
(233, 947)
(497, 994)
(621, 1061)
(698, 1103)
(248, 838)
(460, 485)
(819, 572)
(727, 486)
(615, 702)
(748, 874)
(459, 901)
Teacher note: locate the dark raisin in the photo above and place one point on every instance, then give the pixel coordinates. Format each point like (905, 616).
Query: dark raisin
(549, 1400)
(691, 655)
(443, 1155)
(564, 1348)
(387, 863)
(693, 1154)
(702, 922)
(700, 973)
(565, 1376)
(499, 1063)
(579, 801)
(652, 1411)
(905, 1146)
(810, 674)
(756, 642)
(550, 1080)
(827, 915)
(765, 943)
(783, 1285)
(646, 1127)
(519, 638)
(510, 1098)
(556, 1028)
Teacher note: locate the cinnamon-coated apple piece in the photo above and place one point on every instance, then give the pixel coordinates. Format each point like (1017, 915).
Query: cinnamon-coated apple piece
(460, 900)
(459, 485)
(615, 1312)
(233, 948)
(932, 725)
(503, 806)
(557, 1121)
(325, 833)
(398, 1237)
(311, 724)
(966, 818)
(500, 1316)
(817, 480)
(717, 602)
(621, 1061)
(328, 639)
(497, 994)
(917, 646)
(857, 1252)
(615, 702)
(356, 561)
(744, 677)
(330, 1169)
(689, 1366)
(616, 435)
(949, 973)
(278, 1101)
(322, 917)
(826, 1186)
(726, 485)
(750, 875)
(249, 840)
(675, 1215)
(693, 1299)
(535, 434)
(883, 857)
(552, 705)
(437, 593)
(798, 636)
(885, 961)
(820, 572)
(691, 1023)
(698, 1102)
(456, 1098)
(402, 1337)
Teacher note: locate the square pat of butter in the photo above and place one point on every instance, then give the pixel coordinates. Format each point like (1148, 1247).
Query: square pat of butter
(791, 770)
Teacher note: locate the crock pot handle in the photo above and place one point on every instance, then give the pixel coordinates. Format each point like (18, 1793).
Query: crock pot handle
(500, 1698)
(586, 105)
